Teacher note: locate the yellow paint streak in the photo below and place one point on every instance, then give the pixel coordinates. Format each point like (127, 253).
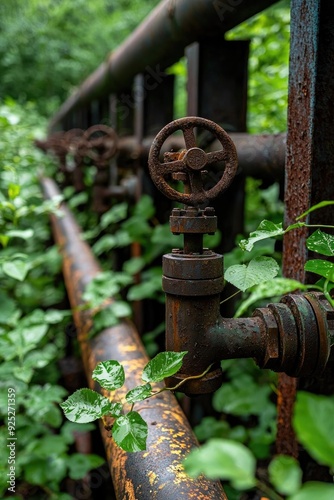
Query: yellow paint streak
(152, 477)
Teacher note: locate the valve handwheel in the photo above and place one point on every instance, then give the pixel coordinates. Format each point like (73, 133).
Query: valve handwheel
(192, 161)
(101, 143)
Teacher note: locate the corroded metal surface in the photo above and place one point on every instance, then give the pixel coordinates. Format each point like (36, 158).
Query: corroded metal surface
(192, 161)
(310, 152)
(156, 473)
(157, 43)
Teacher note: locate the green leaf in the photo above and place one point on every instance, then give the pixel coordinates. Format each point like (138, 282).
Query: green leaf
(266, 229)
(313, 423)
(121, 309)
(258, 270)
(139, 393)
(315, 207)
(109, 374)
(117, 213)
(314, 490)
(242, 396)
(54, 316)
(268, 289)
(25, 234)
(321, 267)
(17, 269)
(223, 459)
(23, 373)
(4, 239)
(115, 410)
(321, 242)
(130, 432)
(85, 406)
(285, 474)
(144, 208)
(163, 365)
(79, 464)
(13, 190)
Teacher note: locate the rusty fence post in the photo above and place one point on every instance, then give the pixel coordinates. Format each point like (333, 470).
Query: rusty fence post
(310, 157)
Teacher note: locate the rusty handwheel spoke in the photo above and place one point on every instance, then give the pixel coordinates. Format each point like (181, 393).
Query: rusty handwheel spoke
(189, 137)
(192, 161)
(171, 167)
(216, 156)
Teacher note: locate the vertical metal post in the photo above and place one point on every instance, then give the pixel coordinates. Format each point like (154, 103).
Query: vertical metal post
(310, 154)
(217, 89)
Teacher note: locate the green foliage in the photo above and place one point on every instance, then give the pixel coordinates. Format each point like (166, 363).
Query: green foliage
(269, 33)
(258, 270)
(58, 44)
(314, 427)
(223, 459)
(285, 474)
(129, 430)
(32, 336)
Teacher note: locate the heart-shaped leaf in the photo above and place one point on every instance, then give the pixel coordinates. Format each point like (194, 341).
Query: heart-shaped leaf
(109, 374)
(163, 365)
(85, 406)
(139, 393)
(257, 271)
(130, 432)
(17, 269)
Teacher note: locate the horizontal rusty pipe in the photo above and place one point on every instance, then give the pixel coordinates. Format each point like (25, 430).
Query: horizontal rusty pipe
(158, 42)
(156, 473)
(260, 156)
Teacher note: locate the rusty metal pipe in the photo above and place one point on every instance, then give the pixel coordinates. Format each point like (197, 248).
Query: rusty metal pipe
(156, 473)
(158, 42)
(261, 155)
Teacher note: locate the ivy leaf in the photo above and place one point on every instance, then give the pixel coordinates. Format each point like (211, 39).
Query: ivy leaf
(17, 269)
(321, 242)
(258, 270)
(313, 423)
(266, 229)
(109, 374)
(223, 459)
(321, 267)
(285, 474)
(163, 365)
(268, 289)
(314, 490)
(130, 432)
(85, 406)
(139, 393)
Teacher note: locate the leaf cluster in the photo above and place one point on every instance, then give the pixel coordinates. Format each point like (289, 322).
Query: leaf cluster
(129, 430)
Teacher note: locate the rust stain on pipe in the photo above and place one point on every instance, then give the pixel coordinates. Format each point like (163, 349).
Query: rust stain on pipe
(156, 473)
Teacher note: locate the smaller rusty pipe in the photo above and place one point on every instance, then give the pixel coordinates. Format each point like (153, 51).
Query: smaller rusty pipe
(293, 336)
